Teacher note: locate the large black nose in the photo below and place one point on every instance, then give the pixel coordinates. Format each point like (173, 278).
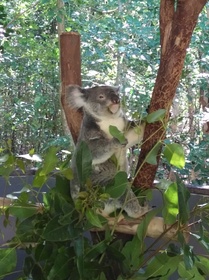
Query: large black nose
(115, 99)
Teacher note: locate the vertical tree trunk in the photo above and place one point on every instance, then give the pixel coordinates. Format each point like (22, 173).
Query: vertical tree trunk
(70, 62)
(177, 21)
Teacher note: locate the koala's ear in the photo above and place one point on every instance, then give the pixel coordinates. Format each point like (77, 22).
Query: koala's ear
(75, 96)
(117, 89)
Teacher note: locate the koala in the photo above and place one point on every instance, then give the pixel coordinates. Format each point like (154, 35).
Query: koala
(102, 108)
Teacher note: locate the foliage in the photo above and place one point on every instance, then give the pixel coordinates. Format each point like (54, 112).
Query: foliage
(29, 72)
(55, 234)
(120, 45)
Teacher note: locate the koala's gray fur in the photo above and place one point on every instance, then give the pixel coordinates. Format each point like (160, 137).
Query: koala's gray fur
(101, 107)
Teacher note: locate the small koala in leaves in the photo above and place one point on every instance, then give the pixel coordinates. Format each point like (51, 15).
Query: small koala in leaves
(102, 108)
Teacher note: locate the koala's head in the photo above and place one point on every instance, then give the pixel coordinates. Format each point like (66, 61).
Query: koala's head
(99, 101)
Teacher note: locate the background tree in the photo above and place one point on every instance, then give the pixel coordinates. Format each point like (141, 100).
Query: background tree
(120, 44)
(177, 21)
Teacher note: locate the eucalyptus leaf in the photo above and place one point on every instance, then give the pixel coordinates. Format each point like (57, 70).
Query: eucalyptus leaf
(55, 232)
(67, 173)
(23, 211)
(61, 268)
(133, 258)
(189, 258)
(156, 116)
(183, 198)
(8, 259)
(142, 227)
(174, 154)
(151, 157)
(202, 238)
(202, 263)
(93, 218)
(116, 133)
(50, 161)
(171, 207)
(39, 179)
(96, 250)
(43, 251)
(83, 162)
(119, 186)
(162, 266)
(191, 273)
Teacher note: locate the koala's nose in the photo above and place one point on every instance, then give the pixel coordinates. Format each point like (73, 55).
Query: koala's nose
(115, 99)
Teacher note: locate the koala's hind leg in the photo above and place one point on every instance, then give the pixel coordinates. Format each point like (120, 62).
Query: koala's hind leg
(129, 203)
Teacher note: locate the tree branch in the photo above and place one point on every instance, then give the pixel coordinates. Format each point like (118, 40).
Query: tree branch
(176, 27)
(166, 19)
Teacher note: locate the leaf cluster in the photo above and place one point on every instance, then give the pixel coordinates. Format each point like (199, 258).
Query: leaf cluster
(55, 234)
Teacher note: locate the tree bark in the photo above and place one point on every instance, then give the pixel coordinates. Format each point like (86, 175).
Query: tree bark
(177, 21)
(70, 62)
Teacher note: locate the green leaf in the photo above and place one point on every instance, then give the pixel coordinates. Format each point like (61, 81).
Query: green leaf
(28, 265)
(62, 185)
(119, 186)
(26, 227)
(156, 116)
(61, 268)
(83, 162)
(32, 152)
(8, 259)
(55, 232)
(43, 251)
(93, 218)
(78, 244)
(203, 264)
(23, 211)
(174, 154)
(202, 238)
(151, 157)
(183, 197)
(116, 133)
(114, 251)
(4, 158)
(37, 272)
(96, 250)
(133, 258)
(102, 276)
(186, 273)
(8, 166)
(162, 266)
(39, 179)
(67, 173)
(171, 208)
(142, 227)
(21, 165)
(188, 256)
(50, 161)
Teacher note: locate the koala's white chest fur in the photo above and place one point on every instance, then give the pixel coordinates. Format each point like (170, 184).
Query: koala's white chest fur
(106, 122)
(119, 153)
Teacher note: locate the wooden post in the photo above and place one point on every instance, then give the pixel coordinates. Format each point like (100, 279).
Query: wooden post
(70, 64)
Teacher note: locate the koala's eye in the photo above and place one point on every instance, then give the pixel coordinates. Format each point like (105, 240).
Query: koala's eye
(101, 96)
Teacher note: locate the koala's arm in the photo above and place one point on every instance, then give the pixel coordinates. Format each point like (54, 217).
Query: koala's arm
(134, 133)
(101, 147)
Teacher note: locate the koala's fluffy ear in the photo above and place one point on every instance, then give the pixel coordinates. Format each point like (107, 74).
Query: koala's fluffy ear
(75, 96)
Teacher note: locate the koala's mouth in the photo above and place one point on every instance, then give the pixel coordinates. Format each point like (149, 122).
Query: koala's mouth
(113, 108)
